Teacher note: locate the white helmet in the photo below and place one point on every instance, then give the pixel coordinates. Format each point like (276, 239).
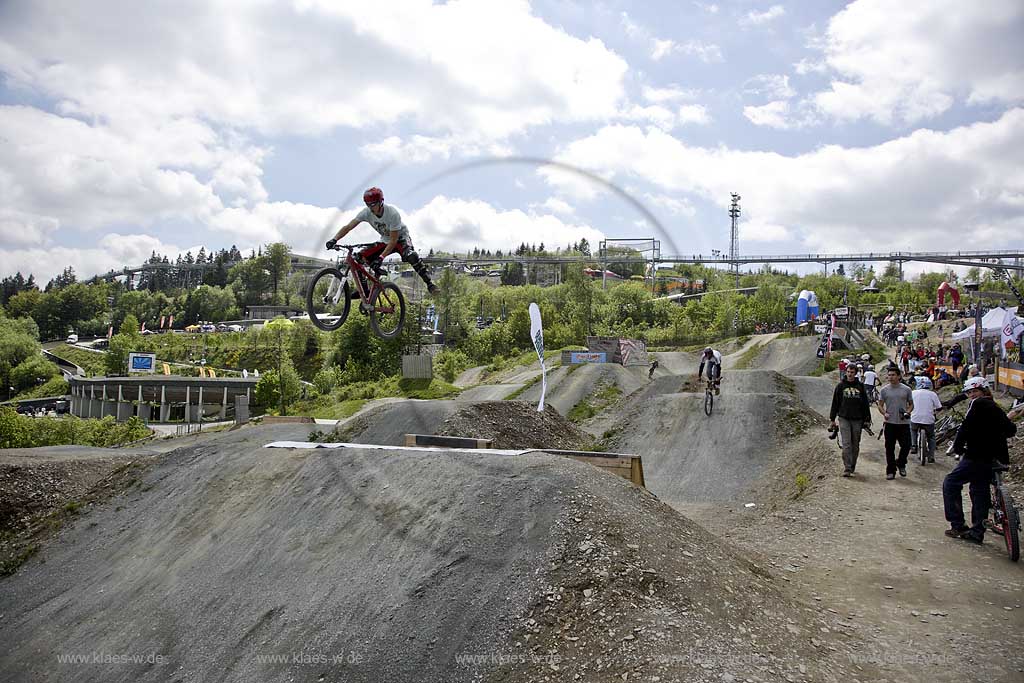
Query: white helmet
(924, 383)
(865, 356)
(976, 383)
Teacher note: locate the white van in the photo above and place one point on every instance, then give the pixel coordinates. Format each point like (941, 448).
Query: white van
(72, 338)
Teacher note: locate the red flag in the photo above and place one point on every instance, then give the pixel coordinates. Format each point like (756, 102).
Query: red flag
(161, 322)
(170, 323)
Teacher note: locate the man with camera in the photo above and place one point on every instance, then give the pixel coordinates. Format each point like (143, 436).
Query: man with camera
(896, 403)
(849, 414)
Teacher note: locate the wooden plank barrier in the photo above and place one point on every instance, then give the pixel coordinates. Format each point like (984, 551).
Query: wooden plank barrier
(446, 441)
(625, 465)
(286, 419)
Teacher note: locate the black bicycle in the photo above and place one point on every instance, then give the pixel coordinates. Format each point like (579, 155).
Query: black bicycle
(328, 297)
(709, 397)
(1004, 518)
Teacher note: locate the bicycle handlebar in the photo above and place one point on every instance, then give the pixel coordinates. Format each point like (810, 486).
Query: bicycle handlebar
(350, 247)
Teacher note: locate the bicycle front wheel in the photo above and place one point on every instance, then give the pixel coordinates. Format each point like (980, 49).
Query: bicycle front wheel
(387, 311)
(327, 299)
(1010, 522)
(709, 402)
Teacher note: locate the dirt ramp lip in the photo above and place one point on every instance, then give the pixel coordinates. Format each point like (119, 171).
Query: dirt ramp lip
(243, 556)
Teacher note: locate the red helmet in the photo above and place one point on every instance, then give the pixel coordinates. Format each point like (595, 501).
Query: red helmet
(373, 195)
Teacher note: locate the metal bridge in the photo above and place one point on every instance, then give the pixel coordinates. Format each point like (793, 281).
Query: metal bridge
(1010, 259)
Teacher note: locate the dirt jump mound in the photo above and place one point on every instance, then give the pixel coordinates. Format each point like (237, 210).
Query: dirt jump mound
(234, 562)
(515, 425)
(691, 457)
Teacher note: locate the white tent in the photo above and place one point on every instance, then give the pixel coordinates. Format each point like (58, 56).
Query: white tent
(991, 324)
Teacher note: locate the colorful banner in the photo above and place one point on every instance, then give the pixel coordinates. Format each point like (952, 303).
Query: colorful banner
(537, 335)
(1009, 335)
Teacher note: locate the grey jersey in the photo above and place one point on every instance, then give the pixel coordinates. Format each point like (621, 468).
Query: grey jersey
(896, 399)
(384, 224)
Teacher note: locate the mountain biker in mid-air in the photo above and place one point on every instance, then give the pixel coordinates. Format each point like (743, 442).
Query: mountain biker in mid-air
(713, 359)
(386, 220)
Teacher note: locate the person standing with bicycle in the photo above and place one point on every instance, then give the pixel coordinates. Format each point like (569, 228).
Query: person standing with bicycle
(981, 441)
(896, 403)
(386, 220)
(851, 407)
(926, 402)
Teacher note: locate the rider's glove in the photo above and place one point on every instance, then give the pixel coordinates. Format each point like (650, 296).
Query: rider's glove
(331, 243)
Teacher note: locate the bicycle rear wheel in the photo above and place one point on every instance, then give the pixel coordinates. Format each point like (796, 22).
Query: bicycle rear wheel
(387, 314)
(922, 447)
(1010, 521)
(709, 402)
(327, 299)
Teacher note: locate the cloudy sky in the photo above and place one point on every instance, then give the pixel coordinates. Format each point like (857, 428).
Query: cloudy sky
(128, 127)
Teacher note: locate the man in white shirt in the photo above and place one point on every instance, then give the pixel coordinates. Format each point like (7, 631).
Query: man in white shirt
(388, 223)
(871, 383)
(926, 402)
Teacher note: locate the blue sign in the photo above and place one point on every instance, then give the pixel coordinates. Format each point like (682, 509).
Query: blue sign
(587, 357)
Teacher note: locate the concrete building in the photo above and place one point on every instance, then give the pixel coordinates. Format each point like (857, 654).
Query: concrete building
(160, 398)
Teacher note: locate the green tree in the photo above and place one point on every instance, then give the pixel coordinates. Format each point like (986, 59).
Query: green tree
(279, 261)
(32, 372)
(250, 280)
(269, 388)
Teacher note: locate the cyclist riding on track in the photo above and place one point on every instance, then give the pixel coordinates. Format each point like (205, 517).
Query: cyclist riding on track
(386, 220)
(713, 359)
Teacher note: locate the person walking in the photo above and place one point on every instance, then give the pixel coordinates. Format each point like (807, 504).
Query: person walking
(981, 440)
(896, 403)
(852, 410)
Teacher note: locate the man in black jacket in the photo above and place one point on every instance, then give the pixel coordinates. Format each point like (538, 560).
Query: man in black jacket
(850, 405)
(982, 440)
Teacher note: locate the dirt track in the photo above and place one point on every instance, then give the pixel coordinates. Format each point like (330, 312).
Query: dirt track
(402, 561)
(232, 552)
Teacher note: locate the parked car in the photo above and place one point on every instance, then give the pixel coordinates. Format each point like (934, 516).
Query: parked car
(207, 328)
(72, 338)
(235, 328)
(101, 344)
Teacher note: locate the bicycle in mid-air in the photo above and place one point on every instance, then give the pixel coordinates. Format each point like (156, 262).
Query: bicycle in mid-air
(329, 295)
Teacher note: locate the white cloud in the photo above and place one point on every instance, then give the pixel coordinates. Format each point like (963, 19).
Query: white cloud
(677, 206)
(556, 205)
(927, 188)
(662, 47)
(755, 231)
(773, 115)
(774, 86)
(667, 94)
(693, 113)
(112, 252)
(807, 66)
(237, 64)
(755, 18)
(708, 53)
(458, 225)
(898, 62)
